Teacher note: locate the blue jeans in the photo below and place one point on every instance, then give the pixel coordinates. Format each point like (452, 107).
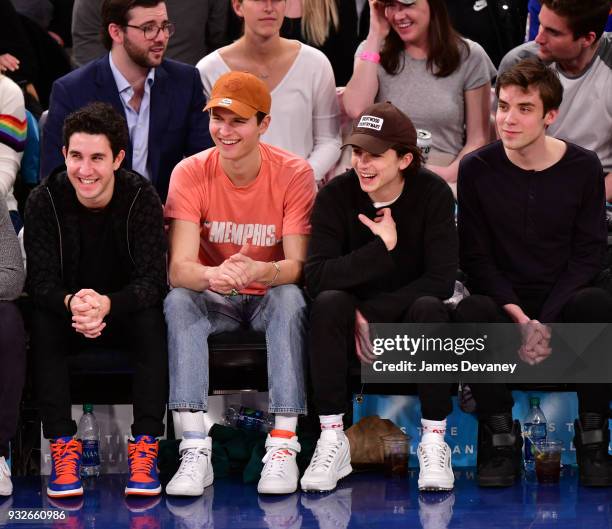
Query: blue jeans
(193, 316)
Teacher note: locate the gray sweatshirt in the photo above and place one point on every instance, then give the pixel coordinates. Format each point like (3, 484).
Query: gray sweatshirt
(12, 275)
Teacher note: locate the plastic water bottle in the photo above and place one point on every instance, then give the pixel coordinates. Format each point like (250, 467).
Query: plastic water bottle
(249, 419)
(89, 434)
(534, 430)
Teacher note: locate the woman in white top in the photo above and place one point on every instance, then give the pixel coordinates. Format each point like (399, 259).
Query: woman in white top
(305, 112)
(415, 59)
(13, 130)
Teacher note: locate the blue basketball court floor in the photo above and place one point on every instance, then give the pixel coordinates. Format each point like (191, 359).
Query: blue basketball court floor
(364, 500)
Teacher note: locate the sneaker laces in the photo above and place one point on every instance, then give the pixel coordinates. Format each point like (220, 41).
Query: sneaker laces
(275, 461)
(434, 455)
(65, 457)
(189, 460)
(142, 457)
(324, 455)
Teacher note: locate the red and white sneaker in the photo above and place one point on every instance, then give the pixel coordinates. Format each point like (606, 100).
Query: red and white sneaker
(280, 472)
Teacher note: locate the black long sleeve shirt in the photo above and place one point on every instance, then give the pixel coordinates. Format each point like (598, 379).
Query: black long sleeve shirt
(344, 254)
(523, 231)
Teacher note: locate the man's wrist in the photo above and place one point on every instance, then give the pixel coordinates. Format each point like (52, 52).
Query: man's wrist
(67, 301)
(275, 273)
(106, 304)
(516, 314)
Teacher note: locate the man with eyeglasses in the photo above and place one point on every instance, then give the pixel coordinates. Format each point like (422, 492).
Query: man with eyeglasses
(162, 100)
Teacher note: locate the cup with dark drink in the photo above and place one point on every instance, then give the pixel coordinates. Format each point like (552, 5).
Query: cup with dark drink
(548, 461)
(395, 448)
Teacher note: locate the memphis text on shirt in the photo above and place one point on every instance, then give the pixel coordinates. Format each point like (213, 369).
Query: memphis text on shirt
(241, 234)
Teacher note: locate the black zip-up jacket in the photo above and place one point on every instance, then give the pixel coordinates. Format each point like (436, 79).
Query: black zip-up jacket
(52, 242)
(343, 253)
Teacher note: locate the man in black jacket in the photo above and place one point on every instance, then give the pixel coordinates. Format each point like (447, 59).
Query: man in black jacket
(383, 250)
(532, 237)
(97, 276)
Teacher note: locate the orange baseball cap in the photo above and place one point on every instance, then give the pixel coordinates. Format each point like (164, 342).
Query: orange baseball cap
(242, 93)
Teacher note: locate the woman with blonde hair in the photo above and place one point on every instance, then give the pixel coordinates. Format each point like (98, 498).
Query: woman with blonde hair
(332, 26)
(414, 58)
(305, 112)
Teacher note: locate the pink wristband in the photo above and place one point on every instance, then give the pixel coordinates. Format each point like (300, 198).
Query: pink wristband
(370, 56)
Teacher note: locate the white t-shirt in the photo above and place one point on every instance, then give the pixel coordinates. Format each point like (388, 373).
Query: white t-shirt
(305, 111)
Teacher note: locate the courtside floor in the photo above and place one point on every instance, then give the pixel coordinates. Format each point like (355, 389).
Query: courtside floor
(365, 500)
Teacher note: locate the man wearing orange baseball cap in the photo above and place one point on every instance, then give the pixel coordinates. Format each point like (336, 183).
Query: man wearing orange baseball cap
(239, 225)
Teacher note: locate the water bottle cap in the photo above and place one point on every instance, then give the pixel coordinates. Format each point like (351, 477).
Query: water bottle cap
(87, 408)
(534, 401)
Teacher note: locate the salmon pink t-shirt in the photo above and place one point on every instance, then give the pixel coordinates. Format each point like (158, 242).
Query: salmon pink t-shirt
(277, 203)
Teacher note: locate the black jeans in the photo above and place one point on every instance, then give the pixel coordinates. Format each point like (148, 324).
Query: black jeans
(143, 333)
(332, 349)
(12, 371)
(588, 305)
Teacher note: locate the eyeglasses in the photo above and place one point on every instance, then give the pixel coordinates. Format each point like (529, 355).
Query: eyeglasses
(150, 31)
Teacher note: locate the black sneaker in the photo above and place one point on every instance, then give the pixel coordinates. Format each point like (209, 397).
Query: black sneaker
(594, 461)
(499, 456)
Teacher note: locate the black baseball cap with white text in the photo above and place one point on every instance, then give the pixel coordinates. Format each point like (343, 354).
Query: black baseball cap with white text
(380, 127)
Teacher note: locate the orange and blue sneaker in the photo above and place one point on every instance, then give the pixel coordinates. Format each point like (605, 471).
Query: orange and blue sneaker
(65, 479)
(142, 460)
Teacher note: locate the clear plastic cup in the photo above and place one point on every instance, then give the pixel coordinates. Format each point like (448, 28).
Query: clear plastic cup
(395, 448)
(548, 461)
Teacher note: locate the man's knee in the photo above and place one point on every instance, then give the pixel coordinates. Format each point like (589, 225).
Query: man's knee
(178, 300)
(477, 308)
(333, 305)
(147, 323)
(287, 298)
(592, 304)
(427, 309)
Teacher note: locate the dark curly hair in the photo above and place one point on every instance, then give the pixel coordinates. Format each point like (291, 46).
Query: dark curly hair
(99, 118)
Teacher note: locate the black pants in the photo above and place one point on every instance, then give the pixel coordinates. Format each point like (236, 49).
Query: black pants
(12, 371)
(332, 350)
(588, 305)
(143, 333)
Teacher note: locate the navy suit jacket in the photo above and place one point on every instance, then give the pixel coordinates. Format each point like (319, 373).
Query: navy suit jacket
(177, 125)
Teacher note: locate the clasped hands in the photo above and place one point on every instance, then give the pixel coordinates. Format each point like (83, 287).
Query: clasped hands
(88, 309)
(535, 345)
(234, 274)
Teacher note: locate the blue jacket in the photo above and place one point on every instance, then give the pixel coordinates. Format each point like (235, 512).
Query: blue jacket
(178, 127)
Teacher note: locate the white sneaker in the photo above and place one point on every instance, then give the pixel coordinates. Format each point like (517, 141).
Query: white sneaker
(195, 472)
(6, 485)
(280, 472)
(435, 470)
(332, 511)
(330, 462)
